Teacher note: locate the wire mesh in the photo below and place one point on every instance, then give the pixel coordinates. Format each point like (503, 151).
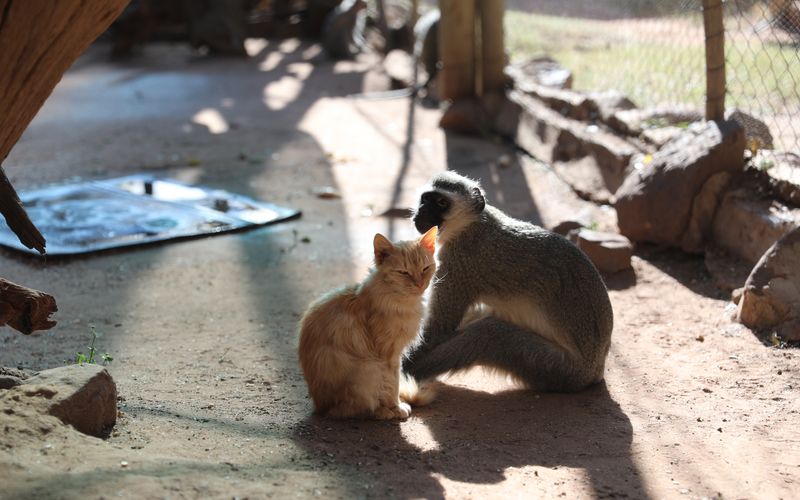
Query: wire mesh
(763, 67)
(653, 51)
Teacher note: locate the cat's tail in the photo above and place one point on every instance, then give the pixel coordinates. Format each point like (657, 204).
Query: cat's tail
(415, 394)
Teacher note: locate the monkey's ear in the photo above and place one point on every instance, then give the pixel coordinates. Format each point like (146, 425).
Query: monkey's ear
(428, 240)
(383, 248)
(478, 201)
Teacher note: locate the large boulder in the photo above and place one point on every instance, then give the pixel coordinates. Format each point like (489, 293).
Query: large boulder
(771, 296)
(83, 396)
(656, 202)
(747, 222)
(592, 160)
(783, 170)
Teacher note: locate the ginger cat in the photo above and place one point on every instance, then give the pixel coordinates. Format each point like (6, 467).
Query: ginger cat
(352, 339)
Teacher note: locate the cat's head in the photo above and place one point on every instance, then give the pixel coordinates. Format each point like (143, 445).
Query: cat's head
(407, 266)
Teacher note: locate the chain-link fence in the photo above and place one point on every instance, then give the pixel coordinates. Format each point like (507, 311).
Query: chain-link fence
(654, 51)
(763, 66)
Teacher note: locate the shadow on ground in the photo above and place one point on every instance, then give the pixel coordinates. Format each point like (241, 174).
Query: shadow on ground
(475, 436)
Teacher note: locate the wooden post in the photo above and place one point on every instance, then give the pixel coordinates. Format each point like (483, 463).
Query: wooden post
(40, 39)
(492, 45)
(457, 48)
(715, 59)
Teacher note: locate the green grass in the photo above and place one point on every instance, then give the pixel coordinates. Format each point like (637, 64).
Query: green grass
(81, 358)
(763, 73)
(651, 66)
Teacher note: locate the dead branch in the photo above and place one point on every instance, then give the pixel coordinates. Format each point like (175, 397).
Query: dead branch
(24, 309)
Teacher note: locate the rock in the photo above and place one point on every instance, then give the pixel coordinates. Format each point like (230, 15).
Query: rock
(783, 171)
(518, 188)
(636, 121)
(756, 132)
(609, 102)
(661, 135)
(83, 396)
(564, 228)
(771, 296)
(593, 161)
(569, 103)
(541, 71)
(11, 377)
(609, 252)
(657, 201)
(578, 105)
(8, 381)
(704, 207)
(748, 222)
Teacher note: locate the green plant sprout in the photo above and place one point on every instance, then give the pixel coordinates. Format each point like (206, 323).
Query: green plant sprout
(81, 358)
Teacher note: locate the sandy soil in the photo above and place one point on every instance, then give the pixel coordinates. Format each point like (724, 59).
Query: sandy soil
(212, 401)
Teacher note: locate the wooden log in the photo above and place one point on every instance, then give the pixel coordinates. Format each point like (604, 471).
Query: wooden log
(40, 40)
(457, 48)
(492, 45)
(715, 59)
(25, 309)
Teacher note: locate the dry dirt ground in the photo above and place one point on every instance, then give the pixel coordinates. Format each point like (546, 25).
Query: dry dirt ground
(212, 401)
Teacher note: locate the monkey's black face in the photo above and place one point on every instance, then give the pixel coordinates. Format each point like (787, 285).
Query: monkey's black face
(433, 206)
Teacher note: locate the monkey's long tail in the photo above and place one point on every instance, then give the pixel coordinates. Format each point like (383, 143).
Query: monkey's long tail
(414, 394)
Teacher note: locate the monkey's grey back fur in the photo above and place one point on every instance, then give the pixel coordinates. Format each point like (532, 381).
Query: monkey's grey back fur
(549, 318)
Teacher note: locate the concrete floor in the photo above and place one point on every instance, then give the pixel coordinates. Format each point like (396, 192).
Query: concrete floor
(203, 331)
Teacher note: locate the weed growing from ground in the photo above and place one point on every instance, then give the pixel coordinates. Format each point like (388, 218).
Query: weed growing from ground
(81, 358)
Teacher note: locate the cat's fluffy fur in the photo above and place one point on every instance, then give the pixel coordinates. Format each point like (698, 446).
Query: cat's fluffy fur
(352, 339)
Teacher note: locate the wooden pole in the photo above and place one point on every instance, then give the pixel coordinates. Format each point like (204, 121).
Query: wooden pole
(457, 48)
(40, 39)
(492, 44)
(715, 59)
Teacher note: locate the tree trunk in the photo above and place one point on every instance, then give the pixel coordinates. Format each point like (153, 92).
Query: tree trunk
(492, 45)
(457, 48)
(40, 40)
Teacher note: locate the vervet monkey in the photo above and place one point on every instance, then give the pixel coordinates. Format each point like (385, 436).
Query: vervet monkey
(508, 295)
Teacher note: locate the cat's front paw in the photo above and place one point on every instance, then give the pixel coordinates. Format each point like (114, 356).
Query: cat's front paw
(402, 410)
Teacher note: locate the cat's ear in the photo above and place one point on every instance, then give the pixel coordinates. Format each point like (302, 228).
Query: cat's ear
(428, 240)
(383, 248)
